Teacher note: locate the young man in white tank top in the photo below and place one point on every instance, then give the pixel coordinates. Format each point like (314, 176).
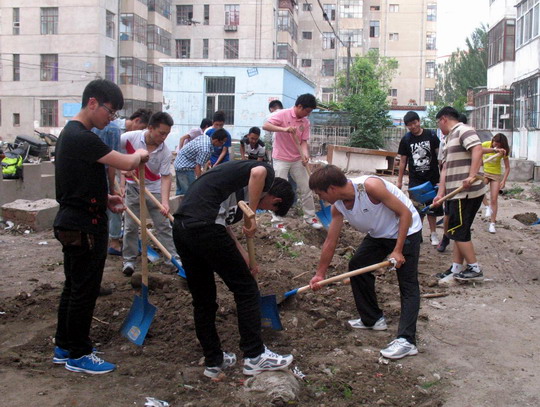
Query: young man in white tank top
(393, 230)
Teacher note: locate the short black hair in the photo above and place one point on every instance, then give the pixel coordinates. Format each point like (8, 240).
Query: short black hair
(323, 177)
(104, 91)
(255, 130)
(410, 117)
(448, 111)
(205, 123)
(463, 118)
(143, 114)
(219, 134)
(281, 188)
(275, 103)
(307, 100)
(161, 118)
(219, 116)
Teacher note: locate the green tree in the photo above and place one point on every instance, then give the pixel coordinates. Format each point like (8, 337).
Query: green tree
(465, 69)
(364, 96)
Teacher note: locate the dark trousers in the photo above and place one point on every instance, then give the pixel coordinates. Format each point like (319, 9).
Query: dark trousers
(207, 250)
(373, 251)
(84, 260)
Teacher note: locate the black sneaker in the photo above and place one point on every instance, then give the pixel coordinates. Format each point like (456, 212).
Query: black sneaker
(444, 273)
(444, 244)
(469, 275)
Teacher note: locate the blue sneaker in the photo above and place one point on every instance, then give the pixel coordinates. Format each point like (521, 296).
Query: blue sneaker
(91, 364)
(61, 355)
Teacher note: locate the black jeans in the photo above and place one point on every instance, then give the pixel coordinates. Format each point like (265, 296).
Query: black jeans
(373, 251)
(84, 260)
(205, 250)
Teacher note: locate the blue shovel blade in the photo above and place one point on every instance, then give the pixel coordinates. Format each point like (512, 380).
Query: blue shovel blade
(270, 313)
(181, 271)
(139, 318)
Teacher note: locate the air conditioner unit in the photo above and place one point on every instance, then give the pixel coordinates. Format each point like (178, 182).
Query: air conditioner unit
(231, 27)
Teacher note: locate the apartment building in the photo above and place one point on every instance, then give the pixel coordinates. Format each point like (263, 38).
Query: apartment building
(317, 37)
(511, 102)
(49, 51)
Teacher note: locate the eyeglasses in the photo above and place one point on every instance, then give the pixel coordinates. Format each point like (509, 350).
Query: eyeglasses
(112, 114)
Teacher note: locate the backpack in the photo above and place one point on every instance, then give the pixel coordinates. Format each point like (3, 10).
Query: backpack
(12, 165)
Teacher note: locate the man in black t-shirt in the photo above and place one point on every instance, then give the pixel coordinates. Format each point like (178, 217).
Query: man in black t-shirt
(419, 150)
(206, 244)
(81, 222)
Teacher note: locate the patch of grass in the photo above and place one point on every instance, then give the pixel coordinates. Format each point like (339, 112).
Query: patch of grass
(514, 190)
(427, 385)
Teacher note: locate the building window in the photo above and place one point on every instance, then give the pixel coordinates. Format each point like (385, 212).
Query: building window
(327, 95)
(16, 119)
(330, 11)
(184, 15)
(429, 95)
(528, 24)
(430, 69)
(49, 113)
(501, 42)
(307, 6)
(374, 29)
(232, 14)
(16, 21)
(220, 96)
(162, 7)
(205, 48)
(431, 41)
(231, 49)
(285, 51)
(432, 12)
(132, 71)
(328, 67)
(110, 25)
(286, 23)
(392, 93)
(393, 8)
(133, 28)
(159, 39)
(16, 67)
(109, 68)
(154, 77)
(393, 36)
(350, 9)
(328, 41)
(307, 35)
(49, 20)
(206, 16)
(306, 63)
(49, 67)
(183, 49)
(354, 37)
(375, 8)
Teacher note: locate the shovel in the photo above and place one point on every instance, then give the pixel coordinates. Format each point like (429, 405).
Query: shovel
(266, 301)
(141, 314)
(270, 313)
(325, 214)
(448, 196)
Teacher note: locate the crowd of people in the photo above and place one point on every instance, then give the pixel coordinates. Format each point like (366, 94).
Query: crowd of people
(106, 153)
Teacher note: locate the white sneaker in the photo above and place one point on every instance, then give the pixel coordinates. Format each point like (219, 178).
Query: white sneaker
(128, 268)
(314, 223)
(266, 361)
(229, 359)
(380, 325)
(399, 348)
(434, 239)
(488, 212)
(491, 228)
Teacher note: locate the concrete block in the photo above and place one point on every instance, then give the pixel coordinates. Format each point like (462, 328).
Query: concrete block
(38, 215)
(521, 170)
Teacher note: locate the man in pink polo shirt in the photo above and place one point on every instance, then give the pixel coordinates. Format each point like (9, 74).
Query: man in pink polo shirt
(292, 130)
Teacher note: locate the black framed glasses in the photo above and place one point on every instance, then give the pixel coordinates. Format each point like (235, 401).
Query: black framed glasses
(112, 114)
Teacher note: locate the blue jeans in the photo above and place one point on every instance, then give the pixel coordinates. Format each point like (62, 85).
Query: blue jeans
(115, 225)
(184, 178)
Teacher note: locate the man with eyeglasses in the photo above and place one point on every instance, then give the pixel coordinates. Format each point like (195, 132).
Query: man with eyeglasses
(81, 222)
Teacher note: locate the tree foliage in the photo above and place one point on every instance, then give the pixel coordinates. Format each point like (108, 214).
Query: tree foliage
(465, 69)
(366, 97)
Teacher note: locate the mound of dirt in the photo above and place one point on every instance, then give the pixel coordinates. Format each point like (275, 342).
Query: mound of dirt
(527, 218)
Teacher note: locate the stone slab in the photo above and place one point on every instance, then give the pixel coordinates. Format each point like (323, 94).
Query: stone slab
(37, 215)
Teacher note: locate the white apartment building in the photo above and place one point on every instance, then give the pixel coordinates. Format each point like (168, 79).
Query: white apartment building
(49, 51)
(511, 102)
(299, 32)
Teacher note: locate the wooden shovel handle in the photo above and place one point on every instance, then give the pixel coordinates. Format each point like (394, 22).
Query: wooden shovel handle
(249, 216)
(492, 157)
(153, 198)
(144, 232)
(295, 139)
(451, 194)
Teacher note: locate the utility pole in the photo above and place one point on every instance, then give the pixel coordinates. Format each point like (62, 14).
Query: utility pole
(348, 65)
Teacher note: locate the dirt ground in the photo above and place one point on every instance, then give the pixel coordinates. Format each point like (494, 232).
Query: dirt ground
(478, 343)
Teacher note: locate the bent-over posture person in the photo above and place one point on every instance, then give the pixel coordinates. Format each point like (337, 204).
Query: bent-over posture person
(393, 230)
